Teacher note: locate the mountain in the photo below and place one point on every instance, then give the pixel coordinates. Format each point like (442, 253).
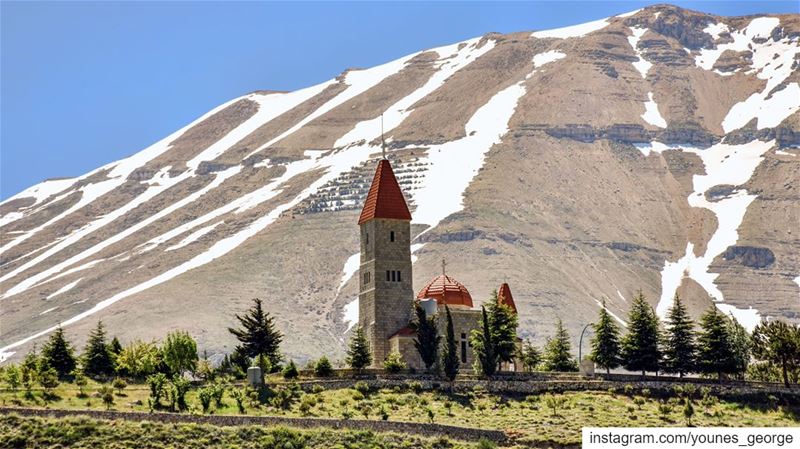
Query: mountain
(655, 150)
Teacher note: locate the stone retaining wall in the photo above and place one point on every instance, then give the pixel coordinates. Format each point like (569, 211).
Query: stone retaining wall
(427, 430)
(731, 390)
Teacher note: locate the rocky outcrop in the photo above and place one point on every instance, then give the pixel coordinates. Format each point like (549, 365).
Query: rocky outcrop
(750, 256)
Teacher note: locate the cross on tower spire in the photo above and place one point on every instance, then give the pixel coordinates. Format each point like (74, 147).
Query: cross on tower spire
(383, 141)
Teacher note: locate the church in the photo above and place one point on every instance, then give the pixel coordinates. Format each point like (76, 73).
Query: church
(386, 296)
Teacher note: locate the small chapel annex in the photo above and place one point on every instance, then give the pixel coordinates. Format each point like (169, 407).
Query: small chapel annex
(386, 296)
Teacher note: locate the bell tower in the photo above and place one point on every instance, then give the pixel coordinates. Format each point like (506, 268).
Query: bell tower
(385, 292)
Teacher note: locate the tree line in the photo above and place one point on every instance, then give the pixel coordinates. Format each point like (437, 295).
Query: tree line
(720, 347)
(716, 346)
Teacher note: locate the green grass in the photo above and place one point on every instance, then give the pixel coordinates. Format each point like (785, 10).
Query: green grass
(530, 420)
(81, 432)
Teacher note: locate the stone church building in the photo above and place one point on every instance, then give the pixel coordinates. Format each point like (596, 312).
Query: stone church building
(386, 296)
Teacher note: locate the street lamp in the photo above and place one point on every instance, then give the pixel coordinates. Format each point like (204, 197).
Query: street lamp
(580, 342)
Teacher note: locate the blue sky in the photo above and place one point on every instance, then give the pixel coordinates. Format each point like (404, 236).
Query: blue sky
(84, 84)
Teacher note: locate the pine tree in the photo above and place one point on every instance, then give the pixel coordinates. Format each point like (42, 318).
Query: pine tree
(258, 334)
(427, 341)
(450, 360)
(741, 346)
(359, 355)
(503, 322)
(714, 352)
(98, 360)
(115, 346)
(679, 343)
(58, 354)
(640, 350)
(778, 344)
(483, 346)
(605, 343)
(530, 356)
(557, 352)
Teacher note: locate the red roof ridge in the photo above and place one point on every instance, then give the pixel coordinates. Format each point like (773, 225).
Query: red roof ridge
(385, 198)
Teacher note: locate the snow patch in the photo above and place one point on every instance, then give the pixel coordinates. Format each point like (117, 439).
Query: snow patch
(641, 65)
(194, 236)
(351, 314)
(160, 183)
(453, 165)
(48, 310)
(450, 61)
(547, 57)
(42, 191)
(613, 315)
(270, 106)
(64, 289)
(784, 153)
(572, 31)
(358, 82)
(769, 113)
(651, 114)
(724, 164)
(118, 174)
(350, 267)
(631, 13)
(771, 61)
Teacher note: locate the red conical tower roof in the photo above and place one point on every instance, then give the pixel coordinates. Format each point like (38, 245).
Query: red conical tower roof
(504, 297)
(385, 199)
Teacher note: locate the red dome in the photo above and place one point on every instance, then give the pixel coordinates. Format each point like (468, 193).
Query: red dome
(446, 290)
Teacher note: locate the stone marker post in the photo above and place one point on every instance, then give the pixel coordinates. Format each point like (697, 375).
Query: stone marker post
(254, 378)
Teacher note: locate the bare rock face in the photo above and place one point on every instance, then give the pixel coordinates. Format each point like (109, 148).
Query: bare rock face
(750, 256)
(655, 151)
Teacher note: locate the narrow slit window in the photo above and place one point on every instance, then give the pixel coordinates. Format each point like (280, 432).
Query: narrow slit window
(388, 276)
(391, 236)
(399, 278)
(394, 276)
(463, 351)
(366, 238)
(366, 278)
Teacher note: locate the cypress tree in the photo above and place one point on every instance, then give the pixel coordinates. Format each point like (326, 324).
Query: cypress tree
(483, 346)
(58, 354)
(258, 334)
(427, 341)
(605, 343)
(679, 343)
(450, 360)
(778, 344)
(358, 354)
(714, 352)
(503, 323)
(640, 350)
(98, 359)
(557, 352)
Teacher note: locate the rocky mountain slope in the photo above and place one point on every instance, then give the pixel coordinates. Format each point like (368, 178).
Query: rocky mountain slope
(655, 150)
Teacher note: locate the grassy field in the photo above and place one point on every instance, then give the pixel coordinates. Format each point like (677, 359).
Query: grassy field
(537, 419)
(80, 432)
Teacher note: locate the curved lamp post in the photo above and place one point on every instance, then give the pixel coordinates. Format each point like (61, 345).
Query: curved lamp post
(580, 342)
